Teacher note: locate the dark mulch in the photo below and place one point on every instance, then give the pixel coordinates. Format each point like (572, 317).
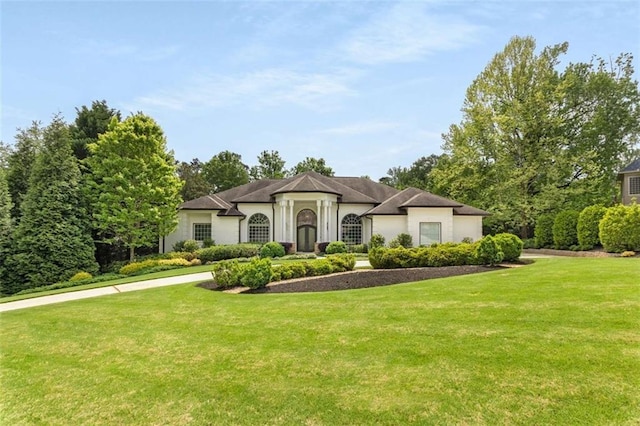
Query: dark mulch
(362, 279)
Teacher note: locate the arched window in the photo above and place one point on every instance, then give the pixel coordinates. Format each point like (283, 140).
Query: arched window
(351, 229)
(259, 229)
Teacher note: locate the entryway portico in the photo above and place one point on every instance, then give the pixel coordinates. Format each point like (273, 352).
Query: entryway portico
(305, 219)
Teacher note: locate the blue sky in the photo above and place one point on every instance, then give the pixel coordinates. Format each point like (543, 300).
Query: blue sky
(365, 85)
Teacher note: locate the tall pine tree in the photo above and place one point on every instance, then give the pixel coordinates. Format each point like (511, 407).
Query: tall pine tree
(20, 161)
(5, 225)
(52, 241)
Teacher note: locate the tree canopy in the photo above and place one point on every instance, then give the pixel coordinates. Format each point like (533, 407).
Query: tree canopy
(416, 175)
(270, 166)
(192, 176)
(225, 170)
(534, 139)
(134, 188)
(317, 165)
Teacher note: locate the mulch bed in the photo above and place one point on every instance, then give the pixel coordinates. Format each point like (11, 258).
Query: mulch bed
(363, 278)
(569, 253)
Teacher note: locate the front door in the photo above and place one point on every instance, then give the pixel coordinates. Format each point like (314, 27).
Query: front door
(306, 221)
(306, 238)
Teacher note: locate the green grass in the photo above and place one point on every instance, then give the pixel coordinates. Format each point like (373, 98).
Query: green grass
(556, 342)
(135, 278)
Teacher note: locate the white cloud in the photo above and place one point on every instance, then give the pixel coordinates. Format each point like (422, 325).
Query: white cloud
(361, 128)
(407, 33)
(270, 87)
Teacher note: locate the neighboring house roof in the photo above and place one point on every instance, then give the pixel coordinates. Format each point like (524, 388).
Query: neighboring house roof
(352, 190)
(632, 168)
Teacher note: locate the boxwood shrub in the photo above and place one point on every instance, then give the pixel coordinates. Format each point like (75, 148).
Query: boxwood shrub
(225, 252)
(543, 232)
(488, 252)
(336, 247)
(272, 249)
(446, 254)
(565, 229)
(510, 245)
(620, 229)
(588, 226)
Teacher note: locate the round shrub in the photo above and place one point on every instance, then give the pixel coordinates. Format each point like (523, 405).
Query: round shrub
(588, 226)
(620, 229)
(565, 229)
(487, 251)
(272, 249)
(510, 245)
(137, 267)
(256, 274)
(543, 232)
(82, 275)
(336, 247)
(377, 240)
(186, 245)
(402, 240)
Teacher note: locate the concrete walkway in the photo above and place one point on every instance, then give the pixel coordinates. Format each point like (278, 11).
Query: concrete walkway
(94, 292)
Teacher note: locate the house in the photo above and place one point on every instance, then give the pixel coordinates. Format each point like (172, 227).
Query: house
(310, 208)
(629, 179)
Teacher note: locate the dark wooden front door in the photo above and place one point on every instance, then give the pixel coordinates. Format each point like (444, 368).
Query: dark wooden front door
(306, 238)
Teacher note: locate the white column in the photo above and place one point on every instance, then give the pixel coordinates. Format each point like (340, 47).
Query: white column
(327, 220)
(318, 221)
(212, 219)
(283, 221)
(291, 225)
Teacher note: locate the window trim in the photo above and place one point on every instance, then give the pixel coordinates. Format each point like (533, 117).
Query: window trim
(351, 227)
(637, 185)
(259, 227)
(194, 233)
(439, 233)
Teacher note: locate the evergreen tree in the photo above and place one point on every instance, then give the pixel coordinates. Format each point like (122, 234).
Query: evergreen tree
(194, 182)
(20, 161)
(89, 124)
(5, 226)
(317, 165)
(52, 241)
(135, 191)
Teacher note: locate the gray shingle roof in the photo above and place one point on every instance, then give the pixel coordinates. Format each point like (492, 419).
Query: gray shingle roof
(633, 167)
(355, 190)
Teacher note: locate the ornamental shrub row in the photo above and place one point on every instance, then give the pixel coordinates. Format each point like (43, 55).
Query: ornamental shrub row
(259, 272)
(488, 251)
(616, 228)
(231, 251)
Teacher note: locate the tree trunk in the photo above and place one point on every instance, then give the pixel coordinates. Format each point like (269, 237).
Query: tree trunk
(131, 253)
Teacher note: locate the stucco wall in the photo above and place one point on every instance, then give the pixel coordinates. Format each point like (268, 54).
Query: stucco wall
(250, 210)
(389, 226)
(467, 226)
(443, 215)
(357, 209)
(224, 229)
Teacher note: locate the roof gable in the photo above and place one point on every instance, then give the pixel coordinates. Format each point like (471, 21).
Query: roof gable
(413, 197)
(207, 202)
(633, 167)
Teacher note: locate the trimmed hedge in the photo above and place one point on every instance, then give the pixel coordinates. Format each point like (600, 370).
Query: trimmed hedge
(620, 229)
(186, 245)
(259, 272)
(377, 240)
(488, 251)
(336, 247)
(401, 240)
(447, 254)
(588, 226)
(225, 252)
(565, 229)
(543, 232)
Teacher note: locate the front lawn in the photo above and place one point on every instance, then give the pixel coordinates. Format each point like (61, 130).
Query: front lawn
(555, 342)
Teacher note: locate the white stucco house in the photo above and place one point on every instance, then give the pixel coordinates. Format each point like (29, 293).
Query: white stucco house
(310, 208)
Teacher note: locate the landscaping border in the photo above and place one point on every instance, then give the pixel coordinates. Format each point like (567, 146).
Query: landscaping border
(570, 253)
(362, 278)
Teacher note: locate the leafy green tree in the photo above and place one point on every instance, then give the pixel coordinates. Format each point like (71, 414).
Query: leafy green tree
(135, 191)
(534, 139)
(194, 183)
(5, 151)
(417, 175)
(53, 240)
(270, 166)
(317, 165)
(225, 171)
(20, 161)
(89, 124)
